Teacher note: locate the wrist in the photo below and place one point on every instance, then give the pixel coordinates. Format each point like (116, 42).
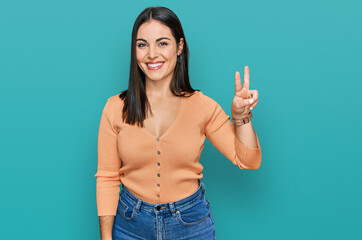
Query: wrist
(243, 119)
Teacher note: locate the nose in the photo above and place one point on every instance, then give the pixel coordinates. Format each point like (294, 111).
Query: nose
(152, 51)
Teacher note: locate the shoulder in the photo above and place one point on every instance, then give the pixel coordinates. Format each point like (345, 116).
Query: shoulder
(114, 104)
(195, 99)
(197, 95)
(200, 103)
(115, 100)
(199, 98)
(206, 100)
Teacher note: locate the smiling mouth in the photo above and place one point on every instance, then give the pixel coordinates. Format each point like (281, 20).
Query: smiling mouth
(154, 66)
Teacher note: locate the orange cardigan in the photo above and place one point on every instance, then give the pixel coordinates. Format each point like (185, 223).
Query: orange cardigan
(165, 169)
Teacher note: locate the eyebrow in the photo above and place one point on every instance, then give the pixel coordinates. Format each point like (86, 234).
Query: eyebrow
(141, 39)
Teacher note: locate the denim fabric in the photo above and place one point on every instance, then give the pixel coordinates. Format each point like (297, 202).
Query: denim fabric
(189, 218)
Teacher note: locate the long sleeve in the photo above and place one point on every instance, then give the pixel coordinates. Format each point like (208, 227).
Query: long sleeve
(109, 163)
(221, 133)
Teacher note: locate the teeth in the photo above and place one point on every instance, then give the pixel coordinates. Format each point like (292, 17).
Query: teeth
(155, 65)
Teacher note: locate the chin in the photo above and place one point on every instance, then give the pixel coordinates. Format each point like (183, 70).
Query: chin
(155, 78)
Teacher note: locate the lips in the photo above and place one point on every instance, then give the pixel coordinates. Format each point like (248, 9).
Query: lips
(154, 65)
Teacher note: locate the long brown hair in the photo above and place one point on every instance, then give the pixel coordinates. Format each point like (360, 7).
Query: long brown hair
(135, 99)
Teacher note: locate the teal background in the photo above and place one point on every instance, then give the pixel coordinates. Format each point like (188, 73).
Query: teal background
(61, 60)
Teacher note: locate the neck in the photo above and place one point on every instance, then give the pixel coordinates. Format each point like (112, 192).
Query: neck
(159, 88)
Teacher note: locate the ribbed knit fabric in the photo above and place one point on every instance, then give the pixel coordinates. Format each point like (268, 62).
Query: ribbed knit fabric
(165, 169)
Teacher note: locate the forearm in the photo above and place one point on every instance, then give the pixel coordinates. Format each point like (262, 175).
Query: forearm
(106, 226)
(246, 134)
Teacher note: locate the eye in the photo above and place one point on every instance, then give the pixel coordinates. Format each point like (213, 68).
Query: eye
(163, 43)
(141, 45)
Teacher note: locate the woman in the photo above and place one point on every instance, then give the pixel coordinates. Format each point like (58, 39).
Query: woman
(152, 134)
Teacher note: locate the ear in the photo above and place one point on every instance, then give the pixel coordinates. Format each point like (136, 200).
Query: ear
(180, 46)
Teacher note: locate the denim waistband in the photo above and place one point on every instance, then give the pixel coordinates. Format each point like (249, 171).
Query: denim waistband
(171, 206)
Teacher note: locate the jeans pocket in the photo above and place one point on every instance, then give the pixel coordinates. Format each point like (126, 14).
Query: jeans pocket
(195, 214)
(125, 209)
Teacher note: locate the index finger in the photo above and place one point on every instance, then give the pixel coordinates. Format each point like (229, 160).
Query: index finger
(246, 77)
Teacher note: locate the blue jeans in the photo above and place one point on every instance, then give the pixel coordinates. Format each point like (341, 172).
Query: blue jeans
(189, 218)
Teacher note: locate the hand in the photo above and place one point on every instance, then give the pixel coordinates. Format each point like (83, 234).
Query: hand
(244, 99)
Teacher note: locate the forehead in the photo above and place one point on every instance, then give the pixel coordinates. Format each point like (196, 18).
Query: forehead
(153, 29)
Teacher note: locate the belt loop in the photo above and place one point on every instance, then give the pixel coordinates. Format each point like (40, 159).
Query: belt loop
(202, 186)
(138, 205)
(172, 208)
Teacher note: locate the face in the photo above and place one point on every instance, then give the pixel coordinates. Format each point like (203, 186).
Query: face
(156, 50)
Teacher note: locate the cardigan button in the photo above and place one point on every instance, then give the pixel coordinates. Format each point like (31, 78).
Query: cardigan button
(157, 139)
(158, 152)
(158, 175)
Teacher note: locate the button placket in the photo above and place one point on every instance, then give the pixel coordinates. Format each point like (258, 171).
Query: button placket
(158, 185)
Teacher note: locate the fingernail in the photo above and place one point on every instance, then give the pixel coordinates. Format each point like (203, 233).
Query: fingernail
(251, 100)
(251, 108)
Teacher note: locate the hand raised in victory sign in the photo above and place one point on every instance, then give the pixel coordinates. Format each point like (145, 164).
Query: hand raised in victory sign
(244, 99)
